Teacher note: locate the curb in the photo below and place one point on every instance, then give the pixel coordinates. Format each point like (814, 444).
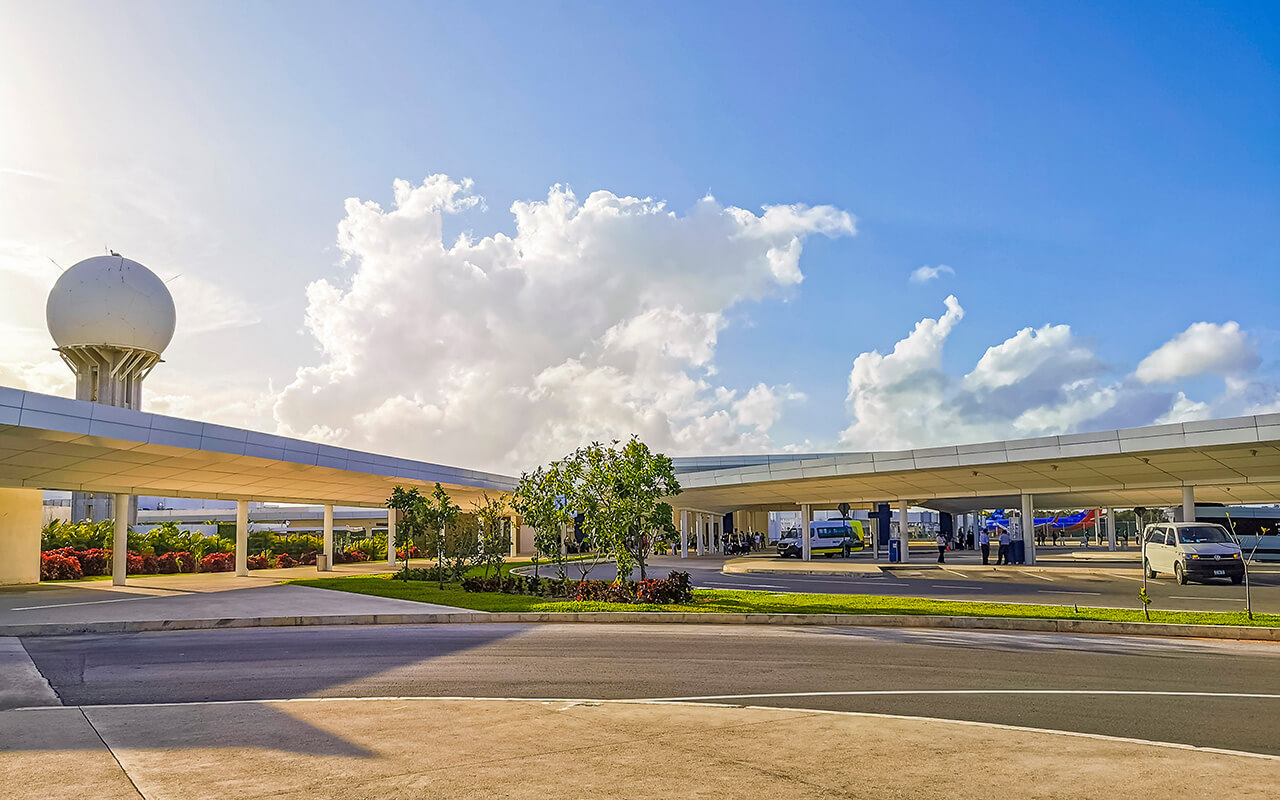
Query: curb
(1233, 632)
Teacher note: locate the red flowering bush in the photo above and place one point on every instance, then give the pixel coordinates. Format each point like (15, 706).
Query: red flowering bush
(675, 588)
(259, 561)
(142, 564)
(175, 562)
(308, 558)
(56, 566)
(284, 561)
(186, 561)
(95, 562)
(218, 562)
(349, 556)
(413, 552)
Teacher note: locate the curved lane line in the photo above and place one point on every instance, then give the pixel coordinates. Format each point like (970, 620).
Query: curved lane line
(675, 702)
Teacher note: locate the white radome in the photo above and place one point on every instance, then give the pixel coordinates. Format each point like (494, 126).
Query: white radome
(111, 301)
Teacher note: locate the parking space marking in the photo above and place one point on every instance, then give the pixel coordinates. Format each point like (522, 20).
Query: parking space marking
(1064, 591)
(85, 603)
(1034, 575)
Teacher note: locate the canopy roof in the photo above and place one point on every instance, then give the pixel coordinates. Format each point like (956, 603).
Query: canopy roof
(55, 443)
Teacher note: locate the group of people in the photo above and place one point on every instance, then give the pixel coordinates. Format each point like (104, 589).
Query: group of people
(966, 539)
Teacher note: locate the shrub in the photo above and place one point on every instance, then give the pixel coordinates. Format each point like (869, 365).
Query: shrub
(675, 588)
(260, 561)
(411, 552)
(167, 563)
(308, 558)
(55, 566)
(141, 564)
(352, 556)
(95, 562)
(284, 561)
(218, 562)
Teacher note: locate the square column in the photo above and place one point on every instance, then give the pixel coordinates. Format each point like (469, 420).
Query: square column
(1029, 527)
(684, 533)
(904, 521)
(391, 537)
(1188, 504)
(1111, 529)
(806, 517)
(242, 537)
(120, 544)
(515, 523)
(328, 536)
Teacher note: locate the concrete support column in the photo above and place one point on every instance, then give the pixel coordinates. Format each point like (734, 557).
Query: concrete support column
(328, 536)
(806, 517)
(513, 525)
(21, 511)
(242, 537)
(684, 533)
(391, 537)
(904, 521)
(120, 544)
(1188, 504)
(1111, 529)
(697, 532)
(1029, 527)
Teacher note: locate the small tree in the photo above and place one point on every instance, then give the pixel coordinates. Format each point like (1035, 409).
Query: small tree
(439, 515)
(495, 542)
(540, 497)
(411, 518)
(619, 491)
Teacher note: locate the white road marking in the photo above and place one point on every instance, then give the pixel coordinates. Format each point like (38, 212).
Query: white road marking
(693, 702)
(85, 603)
(1218, 599)
(953, 572)
(1034, 575)
(910, 692)
(949, 586)
(1126, 577)
(1064, 591)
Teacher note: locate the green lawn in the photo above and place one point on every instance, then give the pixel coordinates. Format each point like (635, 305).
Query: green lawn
(724, 600)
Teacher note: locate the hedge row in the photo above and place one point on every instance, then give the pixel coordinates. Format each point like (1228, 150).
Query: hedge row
(675, 588)
(67, 563)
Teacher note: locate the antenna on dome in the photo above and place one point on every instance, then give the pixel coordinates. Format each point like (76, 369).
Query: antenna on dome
(175, 277)
(56, 264)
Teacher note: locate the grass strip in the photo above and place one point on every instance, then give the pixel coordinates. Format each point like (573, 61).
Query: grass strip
(755, 602)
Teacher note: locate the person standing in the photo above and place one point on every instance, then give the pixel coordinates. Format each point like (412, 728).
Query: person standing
(984, 541)
(942, 547)
(1002, 554)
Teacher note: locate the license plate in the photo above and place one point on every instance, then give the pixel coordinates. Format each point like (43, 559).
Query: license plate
(1219, 572)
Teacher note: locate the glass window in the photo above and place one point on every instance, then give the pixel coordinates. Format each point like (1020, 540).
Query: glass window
(1203, 534)
(1155, 536)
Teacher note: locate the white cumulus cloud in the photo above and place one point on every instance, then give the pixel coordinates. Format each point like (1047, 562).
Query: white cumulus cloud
(1204, 348)
(598, 318)
(926, 273)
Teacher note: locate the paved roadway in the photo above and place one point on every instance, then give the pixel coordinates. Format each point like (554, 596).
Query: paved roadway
(1102, 584)
(1116, 686)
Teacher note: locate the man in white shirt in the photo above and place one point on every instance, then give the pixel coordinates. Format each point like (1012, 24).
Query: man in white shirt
(984, 540)
(1002, 555)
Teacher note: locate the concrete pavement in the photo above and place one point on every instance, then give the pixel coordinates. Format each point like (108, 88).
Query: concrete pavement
(1135, 687)
(396, 748)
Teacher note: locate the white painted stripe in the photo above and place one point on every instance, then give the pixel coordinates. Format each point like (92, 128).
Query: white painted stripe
(85, 603)
(912, 692)
(953, 572)
(1064, 591)
(1217, 599)
(689, 702)
(1034, 575)
(950, 586)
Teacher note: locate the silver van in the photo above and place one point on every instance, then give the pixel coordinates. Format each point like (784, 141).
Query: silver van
(1192, 551)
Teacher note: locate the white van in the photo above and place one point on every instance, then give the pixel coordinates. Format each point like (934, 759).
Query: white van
(1192, 551)
(829, 537)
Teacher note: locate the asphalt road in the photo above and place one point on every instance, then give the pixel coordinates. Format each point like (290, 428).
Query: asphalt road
(1093, 585)
(1115, 686)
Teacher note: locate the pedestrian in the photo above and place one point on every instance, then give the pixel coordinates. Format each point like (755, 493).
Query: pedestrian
(1002, 554)
(984, 541)
(942, 547)
(970, 539)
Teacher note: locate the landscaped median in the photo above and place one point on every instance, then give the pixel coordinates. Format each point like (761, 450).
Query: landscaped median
(727, 601)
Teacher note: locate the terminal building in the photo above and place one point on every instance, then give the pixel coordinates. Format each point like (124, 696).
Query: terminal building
(111, 319)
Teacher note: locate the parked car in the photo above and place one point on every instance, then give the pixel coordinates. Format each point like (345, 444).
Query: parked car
(1192, 551)
(826, 537)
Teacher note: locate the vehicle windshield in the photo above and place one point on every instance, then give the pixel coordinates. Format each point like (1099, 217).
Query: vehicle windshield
(1205, 534)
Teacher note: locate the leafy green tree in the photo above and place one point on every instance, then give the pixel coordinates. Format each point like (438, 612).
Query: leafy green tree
(495, 541)
(412, 518)
(620, 492)
(540, 497)
(438, 515)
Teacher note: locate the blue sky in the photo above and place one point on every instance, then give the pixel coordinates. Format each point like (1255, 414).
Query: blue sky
(1111, 167)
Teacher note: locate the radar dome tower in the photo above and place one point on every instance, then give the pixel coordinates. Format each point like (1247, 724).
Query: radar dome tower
(111, 319)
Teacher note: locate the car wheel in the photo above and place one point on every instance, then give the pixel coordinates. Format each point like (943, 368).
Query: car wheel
(829, 555)
(1179, 574)
(1237, 579)
(1146, 566)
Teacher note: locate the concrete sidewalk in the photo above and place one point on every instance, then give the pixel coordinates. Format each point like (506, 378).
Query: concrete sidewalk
(203, 596)
(392, 748)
